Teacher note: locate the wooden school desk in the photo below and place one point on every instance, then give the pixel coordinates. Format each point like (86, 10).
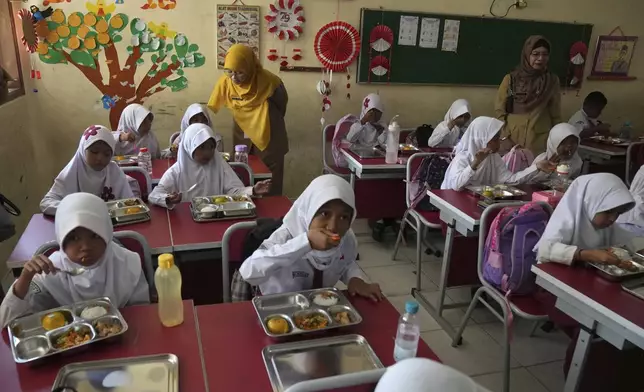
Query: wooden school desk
(145, 336)
(462, 216)
(234, 329)
(40, 230)
(601, 307)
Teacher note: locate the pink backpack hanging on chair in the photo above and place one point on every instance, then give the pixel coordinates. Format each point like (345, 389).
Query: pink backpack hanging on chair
(341, 130)
(518, 159)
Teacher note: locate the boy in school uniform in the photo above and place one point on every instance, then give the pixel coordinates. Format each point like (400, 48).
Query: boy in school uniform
(586, 120)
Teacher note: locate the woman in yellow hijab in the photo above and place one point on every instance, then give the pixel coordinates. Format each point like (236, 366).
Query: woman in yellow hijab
(258, 100)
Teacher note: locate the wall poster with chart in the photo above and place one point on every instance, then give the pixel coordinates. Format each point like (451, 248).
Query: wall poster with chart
(236, 24)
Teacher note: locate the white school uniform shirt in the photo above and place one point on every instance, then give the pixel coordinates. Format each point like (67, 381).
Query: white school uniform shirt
(581, 121)
(117, 274)
(285, 261)
(633, 220)
(77, 176)
(368, 135)
(442, 136)
(130, 121)
(492, 170)
(557, 134)
(214, 178)
(570, 227)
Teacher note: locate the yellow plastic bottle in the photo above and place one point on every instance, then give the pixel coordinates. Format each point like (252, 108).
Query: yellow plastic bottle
(167, 278)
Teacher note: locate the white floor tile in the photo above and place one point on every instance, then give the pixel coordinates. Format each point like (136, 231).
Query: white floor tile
(410, 249)
(479, 353)
(520, 381)
(427, 323)
(397, 279)
(374, 254)
(550, 374)
(453, 316)
(481, 314)
(541, 348)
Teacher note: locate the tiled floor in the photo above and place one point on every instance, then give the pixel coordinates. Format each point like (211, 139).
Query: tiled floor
(537, 362)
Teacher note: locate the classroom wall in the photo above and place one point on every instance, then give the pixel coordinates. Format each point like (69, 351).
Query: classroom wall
(40, 132)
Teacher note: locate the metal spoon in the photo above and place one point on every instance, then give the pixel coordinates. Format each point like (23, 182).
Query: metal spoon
(74, 272)
(189, 190)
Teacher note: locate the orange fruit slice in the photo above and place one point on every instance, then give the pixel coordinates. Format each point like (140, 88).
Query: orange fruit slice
(53, 320)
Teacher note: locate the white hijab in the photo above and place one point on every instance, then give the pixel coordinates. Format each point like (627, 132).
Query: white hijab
(130, 121)
(636, 215)
(425, 375)
(78, 176)
(298, 219)
(443, 136)
(115, 275)
(571, 222)
(192, 111)
(210, 177)
(478, 134)
(557, 134)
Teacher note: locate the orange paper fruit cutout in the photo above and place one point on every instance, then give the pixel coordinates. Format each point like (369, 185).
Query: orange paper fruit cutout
(89, 19)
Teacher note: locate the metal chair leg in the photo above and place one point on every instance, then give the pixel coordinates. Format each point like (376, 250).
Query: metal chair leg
(457, 337)
(506, 351)
(535, 325)
(400, 234)
(420, 233)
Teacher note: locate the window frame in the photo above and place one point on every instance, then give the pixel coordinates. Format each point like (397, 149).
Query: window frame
(13, 95)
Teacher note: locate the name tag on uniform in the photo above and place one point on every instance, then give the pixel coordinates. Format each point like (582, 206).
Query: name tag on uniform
(300, 274)
(34, 288)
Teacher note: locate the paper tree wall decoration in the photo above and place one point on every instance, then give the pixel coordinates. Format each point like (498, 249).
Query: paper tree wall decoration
(78, 39)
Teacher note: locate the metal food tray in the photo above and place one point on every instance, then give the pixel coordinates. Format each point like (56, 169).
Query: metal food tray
(128, 160)
(367, 152)
(407, 149)
(225, 208)
(159, 373)
(118, 211)
(634, 287)
(288, 364)
(30, 342)
(616, 274)
(501, 192)
(291, 305)
(610, 140)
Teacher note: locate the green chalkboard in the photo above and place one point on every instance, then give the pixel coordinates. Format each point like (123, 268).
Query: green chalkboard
(488, 48)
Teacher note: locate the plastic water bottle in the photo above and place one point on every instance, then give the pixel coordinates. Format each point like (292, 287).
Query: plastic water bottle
(408, 333)
(167, 279)
(393, 141)
(626, 131)
(145, 160)
(241, 153)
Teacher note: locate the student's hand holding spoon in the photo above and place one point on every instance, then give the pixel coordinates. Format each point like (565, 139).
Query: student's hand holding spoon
(479, 157)
(38, 264)
(546, 166)
(599, 256)
(127, 136)
(173, 198)
(262, 188)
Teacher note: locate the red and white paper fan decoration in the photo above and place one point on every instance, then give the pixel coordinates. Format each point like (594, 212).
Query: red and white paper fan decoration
(337, 45)
(381, 38)
(379, 65)
(285, 19)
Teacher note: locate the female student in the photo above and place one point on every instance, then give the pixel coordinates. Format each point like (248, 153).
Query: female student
(195, 113)
(315, 246)
(257, 99)
(633, 220)
(91, 170)
(200, 164)
(84, 233)
(448, 132)
(581, 228)
(562, 148)
(134, 132)
(368, 130)
(477, 161)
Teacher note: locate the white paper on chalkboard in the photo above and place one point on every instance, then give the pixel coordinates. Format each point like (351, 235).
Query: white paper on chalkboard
(429, 28)
(408, 30)
(450, 35)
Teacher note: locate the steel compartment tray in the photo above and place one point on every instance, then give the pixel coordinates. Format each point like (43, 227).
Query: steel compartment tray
(159, 373)
(290, 363)
(221, 207)
(500, 191)
(31, 342)
(121, 211)
(290, 305)
(616, 274)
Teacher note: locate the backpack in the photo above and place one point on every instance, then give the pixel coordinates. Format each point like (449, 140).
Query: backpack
(420, 136)
(518, 159)
(509, 256)
(240, 290)
(429, 175)
(341, 130)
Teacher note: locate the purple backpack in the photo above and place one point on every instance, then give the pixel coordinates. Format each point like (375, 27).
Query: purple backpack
(509, 255)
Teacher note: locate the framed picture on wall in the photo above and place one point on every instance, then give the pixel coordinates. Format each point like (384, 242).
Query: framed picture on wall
(613, 57)
(236, 24)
